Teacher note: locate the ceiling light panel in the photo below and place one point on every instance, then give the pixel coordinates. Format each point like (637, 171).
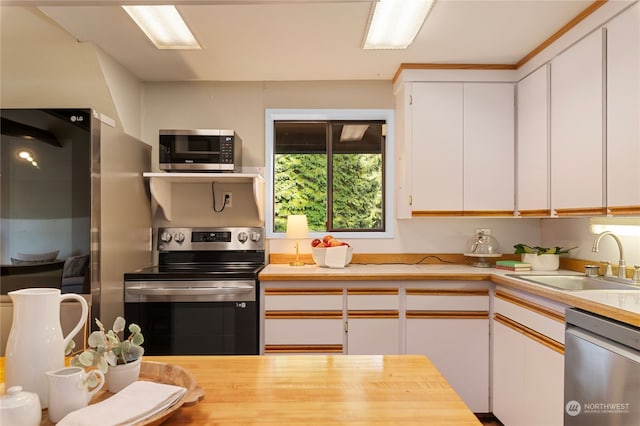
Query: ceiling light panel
(395, 23)
(164, 26)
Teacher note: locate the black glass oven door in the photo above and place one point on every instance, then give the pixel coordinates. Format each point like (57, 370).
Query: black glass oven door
(196, 328)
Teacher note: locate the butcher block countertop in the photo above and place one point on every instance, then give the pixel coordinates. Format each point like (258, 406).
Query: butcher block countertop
(623, 306)
(319, 390)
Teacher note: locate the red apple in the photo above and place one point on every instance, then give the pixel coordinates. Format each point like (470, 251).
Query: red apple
(315, 242)
(327, 238)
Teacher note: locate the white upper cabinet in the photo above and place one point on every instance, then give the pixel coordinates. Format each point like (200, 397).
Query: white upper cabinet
(623, 113)
(532, 163)
(577, 163)
(488, 149)
(461, 137)
(436, 144)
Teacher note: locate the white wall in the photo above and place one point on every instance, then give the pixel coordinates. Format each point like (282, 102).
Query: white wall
(47, 68)
(569, 232)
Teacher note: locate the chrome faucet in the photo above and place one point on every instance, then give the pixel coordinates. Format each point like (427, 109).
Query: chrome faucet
(622, 266)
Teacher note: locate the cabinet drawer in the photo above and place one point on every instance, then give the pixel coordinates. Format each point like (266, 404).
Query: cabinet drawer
(362, 299)
(537, 317)
(447, 300)
(303, 299)
(303, 331)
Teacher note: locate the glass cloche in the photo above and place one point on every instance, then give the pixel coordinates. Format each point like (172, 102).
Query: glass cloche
(482, 246)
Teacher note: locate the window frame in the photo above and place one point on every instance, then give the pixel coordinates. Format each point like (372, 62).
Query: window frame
(388, 115)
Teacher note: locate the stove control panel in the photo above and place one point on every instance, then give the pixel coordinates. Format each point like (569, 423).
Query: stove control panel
(194, 239)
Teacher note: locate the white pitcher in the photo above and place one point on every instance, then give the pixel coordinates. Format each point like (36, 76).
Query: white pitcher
(35, 343)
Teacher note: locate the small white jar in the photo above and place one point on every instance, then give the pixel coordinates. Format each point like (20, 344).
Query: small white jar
(20, 408)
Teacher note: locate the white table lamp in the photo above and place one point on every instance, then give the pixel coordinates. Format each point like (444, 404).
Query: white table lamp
(297, 228)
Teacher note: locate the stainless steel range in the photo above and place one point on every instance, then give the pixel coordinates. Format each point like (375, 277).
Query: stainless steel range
(202, 297)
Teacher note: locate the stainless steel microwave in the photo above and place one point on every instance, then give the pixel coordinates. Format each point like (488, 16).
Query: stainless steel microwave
(200, 150)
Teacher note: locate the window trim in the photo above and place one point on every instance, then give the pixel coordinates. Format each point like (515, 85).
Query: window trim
(274, 114)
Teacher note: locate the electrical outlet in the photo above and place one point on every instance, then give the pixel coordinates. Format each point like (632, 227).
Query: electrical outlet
(485, 231)
(227, 199)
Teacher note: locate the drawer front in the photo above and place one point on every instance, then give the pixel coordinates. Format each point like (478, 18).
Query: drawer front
(536, 317)
(315, 302)
(303, 331)
(447, 303)
(373, 299)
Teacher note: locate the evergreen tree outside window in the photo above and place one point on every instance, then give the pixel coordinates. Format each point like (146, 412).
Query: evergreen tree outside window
(334, 171)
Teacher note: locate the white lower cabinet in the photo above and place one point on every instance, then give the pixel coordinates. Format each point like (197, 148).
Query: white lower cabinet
(303, 320)
(373, 321)
(528, 364)
(451, 327)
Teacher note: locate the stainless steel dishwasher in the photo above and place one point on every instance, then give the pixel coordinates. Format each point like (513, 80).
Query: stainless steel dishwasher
(602, 371)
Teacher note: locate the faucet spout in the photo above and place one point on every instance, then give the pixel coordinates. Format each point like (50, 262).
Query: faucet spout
(622, 273)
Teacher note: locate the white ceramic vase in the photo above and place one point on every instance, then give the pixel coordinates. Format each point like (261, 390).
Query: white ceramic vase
(542, 262)
(120, 376)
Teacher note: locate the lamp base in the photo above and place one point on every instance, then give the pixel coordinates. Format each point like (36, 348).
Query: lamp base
(296, 263)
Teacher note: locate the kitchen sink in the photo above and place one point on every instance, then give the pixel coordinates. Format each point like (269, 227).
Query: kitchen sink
(574, 282)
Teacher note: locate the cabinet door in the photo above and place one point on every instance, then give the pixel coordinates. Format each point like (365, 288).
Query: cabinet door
(532, 163)
(373, 335)
(544, 384)
(576, 129)
(373, 321)
(451, 327)
(623, 112)
(459, 348)
(508, 375)
(488, 148)
(436, 138)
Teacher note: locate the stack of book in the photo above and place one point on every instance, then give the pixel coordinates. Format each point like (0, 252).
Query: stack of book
(513, 265)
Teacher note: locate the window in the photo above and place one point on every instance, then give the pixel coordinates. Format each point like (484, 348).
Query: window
(335, 166)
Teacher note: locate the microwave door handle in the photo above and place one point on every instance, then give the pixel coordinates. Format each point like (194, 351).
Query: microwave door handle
(188, 291)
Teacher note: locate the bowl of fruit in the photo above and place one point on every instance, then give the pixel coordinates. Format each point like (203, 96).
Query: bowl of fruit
(330, 252)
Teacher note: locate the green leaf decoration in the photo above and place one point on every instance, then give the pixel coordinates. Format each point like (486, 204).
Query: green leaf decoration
(118, 325)
(137, 339)
(86, 359)
(70, 347)
(134, 328)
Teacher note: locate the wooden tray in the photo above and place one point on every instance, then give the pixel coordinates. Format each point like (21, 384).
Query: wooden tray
(158, 372)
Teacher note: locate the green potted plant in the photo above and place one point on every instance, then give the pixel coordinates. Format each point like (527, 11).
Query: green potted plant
(541, 258)
(111, 353)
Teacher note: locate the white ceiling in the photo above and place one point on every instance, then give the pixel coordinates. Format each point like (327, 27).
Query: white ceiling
(268, 40)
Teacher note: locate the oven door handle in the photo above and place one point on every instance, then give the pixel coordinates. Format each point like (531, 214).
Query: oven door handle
(189, 291)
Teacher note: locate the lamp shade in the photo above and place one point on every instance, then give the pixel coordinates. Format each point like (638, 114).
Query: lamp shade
(297, 226)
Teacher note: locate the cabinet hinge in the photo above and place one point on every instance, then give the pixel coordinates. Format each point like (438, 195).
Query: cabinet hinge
(410, 99)
(410, 200)
(346, 327)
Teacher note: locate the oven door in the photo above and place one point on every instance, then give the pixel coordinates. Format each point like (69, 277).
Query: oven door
(195, 317)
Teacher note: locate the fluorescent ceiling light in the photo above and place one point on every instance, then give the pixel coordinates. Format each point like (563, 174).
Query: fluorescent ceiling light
(353, 132)
(395, 23)
(164, 26)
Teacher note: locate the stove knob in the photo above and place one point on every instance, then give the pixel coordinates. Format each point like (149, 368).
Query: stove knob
(242, 237)
(179, 237)
(255, 236)
(165, 237)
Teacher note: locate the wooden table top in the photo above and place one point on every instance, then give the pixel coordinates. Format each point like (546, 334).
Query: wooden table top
(318, 390)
